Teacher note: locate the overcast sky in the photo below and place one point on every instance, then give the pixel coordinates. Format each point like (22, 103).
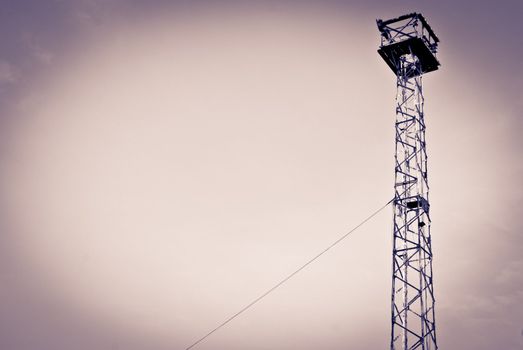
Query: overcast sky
(163, 163)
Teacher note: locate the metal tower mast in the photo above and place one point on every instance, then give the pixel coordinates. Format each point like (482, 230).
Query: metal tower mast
(408, 46)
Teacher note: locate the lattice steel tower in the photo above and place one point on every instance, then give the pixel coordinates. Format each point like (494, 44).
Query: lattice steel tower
(409, 45)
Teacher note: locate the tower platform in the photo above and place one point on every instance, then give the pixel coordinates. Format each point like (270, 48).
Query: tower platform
(408, 34)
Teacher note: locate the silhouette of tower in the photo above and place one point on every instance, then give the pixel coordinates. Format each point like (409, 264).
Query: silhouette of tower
(408, 46)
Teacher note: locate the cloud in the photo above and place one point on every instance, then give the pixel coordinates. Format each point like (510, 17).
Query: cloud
(36, 49)
(8, 73)
(42, 55)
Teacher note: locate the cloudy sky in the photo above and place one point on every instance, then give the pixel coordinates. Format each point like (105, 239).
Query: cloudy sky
(162, 163)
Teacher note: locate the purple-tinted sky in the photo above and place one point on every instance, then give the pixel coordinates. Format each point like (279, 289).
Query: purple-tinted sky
(162, 163)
